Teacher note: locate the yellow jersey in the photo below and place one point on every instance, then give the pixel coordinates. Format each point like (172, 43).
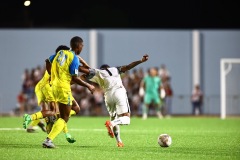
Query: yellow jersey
(64, 65)
(43, 90)
(45, 80)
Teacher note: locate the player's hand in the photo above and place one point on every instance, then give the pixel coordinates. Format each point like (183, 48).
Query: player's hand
(91, 88)
(144, 58)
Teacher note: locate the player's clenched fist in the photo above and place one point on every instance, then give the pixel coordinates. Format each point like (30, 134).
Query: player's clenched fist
(144, 58)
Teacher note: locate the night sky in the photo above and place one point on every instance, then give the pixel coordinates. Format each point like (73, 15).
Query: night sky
(168, 14)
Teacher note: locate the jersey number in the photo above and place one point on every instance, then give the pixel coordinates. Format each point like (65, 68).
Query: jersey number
(61, 58)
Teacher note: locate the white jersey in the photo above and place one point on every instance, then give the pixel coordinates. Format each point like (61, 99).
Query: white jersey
(109, 79)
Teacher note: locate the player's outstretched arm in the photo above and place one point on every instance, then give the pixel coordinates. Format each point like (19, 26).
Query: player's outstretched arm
(89, 72)
(133, 64)
(83, 69)
(83, 62)
(82, 83)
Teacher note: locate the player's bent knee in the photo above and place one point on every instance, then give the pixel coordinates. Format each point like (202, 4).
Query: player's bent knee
(76, 109)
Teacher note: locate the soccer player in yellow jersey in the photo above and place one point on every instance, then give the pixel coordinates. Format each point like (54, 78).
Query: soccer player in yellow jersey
(64, 69)
(44, 96)
(46, 100)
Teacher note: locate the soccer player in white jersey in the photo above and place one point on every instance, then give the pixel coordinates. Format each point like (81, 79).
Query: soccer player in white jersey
(116, 100)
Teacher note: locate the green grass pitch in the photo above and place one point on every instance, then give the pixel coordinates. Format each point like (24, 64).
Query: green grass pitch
(192, 138)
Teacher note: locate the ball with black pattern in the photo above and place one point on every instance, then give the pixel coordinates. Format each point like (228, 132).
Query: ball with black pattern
(164, 140)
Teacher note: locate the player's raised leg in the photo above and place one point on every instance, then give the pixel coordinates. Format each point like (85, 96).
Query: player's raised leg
(39, 123)
(45, 112)
(114, 129)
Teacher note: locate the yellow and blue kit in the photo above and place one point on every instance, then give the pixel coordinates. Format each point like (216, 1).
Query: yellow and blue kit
(43, 89)
(64, 65)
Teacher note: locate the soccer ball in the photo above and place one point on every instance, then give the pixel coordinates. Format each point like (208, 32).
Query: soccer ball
(164, 140)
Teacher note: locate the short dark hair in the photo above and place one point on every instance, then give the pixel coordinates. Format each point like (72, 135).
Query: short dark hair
(75, 42)
(104, 66)
(62, 47)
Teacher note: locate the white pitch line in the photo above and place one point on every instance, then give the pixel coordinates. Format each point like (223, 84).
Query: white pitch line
(72, 129)
(76, 129)
(10, 129)
(125, 130)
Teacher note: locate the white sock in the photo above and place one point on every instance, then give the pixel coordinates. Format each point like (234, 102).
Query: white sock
(121, 120)
(144, 116)
(116, 131)
(159, 114)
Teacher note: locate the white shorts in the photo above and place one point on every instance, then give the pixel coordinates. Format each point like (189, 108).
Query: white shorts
(117, 102)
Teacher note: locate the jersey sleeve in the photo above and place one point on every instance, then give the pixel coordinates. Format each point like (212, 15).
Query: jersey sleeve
(94, 78)
(73, 68)
(51, 58)
(91, 73)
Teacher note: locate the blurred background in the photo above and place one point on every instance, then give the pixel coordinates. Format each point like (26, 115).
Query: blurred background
(185, 40)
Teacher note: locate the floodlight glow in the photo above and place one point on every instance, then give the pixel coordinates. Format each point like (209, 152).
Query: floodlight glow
(27, 3)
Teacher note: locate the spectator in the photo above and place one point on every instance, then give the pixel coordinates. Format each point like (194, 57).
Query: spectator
(21, 103)
(83, 98)
(38, 73)
(164, 73)
(168, 98)
(32, 104)
(134, 98)
(25, 75)
(98, 102)
(197, 99)
(141, 73)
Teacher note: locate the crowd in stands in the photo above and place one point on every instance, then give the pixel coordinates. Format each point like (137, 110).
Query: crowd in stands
(92, 104)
